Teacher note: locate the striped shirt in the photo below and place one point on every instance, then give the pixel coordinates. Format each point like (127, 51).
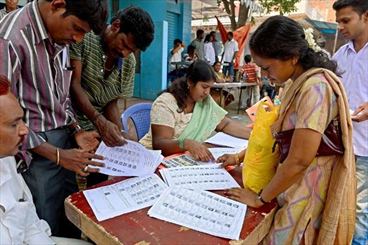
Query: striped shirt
(101, 90)
(250, 70)
(34, 66)
(3, 12)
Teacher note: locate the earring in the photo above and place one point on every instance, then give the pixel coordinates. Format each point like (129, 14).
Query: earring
(294, 62)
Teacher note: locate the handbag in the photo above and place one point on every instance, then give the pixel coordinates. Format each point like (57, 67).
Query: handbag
(331, 142)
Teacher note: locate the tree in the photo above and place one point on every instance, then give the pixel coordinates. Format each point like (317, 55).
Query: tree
(283, 6)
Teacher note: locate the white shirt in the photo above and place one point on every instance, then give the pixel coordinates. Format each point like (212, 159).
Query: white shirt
(355, 80)
(176, 57)
(19, 223)
(209, 53)
(230, 48)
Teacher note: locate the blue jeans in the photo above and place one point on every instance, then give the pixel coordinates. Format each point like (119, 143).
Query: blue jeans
(361, 221)
(228, 68)
(50, 184)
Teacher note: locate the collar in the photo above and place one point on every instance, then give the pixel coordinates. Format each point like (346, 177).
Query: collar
(5, 171)
(105, 46)
(7, 11)
(350, 45)
(36, 22)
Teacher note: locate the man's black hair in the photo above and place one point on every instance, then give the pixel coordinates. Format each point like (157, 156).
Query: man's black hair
(359, 6)
(95, 12)
(177, 41)
(199, 32)
(138, 22)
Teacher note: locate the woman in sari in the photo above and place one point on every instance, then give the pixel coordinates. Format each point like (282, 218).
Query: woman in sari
(316, 195)
(184, 115)
(227, 96)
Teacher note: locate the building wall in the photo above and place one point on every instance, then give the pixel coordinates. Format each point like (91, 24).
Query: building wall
(152, 78)
(325, 9)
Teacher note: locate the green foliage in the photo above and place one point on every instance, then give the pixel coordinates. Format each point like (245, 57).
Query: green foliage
(282, 6)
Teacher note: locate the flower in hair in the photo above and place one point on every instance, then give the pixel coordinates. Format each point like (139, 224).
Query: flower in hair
(310, 39)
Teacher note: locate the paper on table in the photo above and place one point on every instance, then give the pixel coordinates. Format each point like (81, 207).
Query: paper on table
(217, 152)
(200, 210)
(223, 139)
(131, 159)
(203, 177)
(181, 161)
(125, 196)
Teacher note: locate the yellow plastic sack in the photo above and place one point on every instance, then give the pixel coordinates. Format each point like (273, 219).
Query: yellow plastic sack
(260, 162)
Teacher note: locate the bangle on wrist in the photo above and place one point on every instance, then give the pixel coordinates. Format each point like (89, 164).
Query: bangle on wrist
(181, 144)
(123, 131)
(260, 197)
(237, 161)
(57, 156)
(95, 117)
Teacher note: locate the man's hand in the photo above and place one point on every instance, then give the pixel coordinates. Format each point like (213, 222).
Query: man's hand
(77, 160)
(87, 140)
(109, 132)
(360, 114)
(198, 151)
(227, 160)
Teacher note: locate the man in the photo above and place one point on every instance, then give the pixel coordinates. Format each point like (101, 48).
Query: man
(352, 59)
(34, 56)
(176, 54)
(19, 223)
(216, 45)
(104, 72)
(250, 73)
(228, 57)
(10, 5)
(198, 44)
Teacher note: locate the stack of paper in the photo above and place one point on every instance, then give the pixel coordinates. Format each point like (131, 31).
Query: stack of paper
(200, 210)
(131, 159)
(124, 197)
(204, 177)
(181, 161)
(223, 139)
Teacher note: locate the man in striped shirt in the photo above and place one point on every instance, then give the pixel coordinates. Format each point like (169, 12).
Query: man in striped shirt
(34, 56)
(104, 72)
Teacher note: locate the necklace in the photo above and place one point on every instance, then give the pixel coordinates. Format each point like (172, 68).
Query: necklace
(108, 70)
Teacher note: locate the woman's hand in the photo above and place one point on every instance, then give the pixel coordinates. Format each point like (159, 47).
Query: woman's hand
(87, 140)
(244, 195)
(198, 151)
(227, 160)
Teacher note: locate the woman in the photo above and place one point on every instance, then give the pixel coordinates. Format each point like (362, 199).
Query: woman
(316, 199)
(227, 97)
(184, 116)
(209, 51)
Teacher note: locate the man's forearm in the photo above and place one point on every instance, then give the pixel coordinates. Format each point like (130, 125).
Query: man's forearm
(46, 150)
(112, 113)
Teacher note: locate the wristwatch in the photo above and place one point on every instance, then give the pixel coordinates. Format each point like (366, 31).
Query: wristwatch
(76, 129)
(260, 197)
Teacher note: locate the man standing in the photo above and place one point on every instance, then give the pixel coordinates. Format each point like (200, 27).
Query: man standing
(34, 56)
(198, 44)
(228, 57)
(104, 72)
(216, 45)
(176, 54)
(10, 5)
(352, 59)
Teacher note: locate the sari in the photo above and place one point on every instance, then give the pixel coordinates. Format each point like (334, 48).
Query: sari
(320, 207)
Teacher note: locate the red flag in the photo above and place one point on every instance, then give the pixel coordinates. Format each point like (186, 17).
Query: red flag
(240, 35)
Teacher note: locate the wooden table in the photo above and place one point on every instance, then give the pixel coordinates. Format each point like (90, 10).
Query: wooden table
(138, 228)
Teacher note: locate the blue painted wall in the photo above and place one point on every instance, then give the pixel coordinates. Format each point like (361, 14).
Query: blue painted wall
(153, 76)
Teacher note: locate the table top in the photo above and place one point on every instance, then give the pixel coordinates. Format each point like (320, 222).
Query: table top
(233, 85)
(138, 228)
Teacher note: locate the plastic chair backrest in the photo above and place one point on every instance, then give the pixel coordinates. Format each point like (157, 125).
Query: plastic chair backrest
(140, 115)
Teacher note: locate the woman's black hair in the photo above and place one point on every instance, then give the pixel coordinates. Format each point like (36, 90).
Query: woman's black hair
(207, 38)
(282, 38)
(198, 71)
(216, 63)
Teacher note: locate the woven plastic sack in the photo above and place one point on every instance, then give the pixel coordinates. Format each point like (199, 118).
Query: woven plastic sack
(260, 162)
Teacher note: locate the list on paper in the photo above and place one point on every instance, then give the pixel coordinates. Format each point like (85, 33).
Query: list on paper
(131, 159)
(181, 161)
(223, 139)
(200, 210)
(125, 196)
(203, 177)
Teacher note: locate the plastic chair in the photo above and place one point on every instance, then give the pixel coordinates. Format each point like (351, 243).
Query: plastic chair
(140, 115)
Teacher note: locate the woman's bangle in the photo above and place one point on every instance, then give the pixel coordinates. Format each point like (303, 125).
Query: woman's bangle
(57, 156)
(237, 161)
(181, 144)
(94, 119)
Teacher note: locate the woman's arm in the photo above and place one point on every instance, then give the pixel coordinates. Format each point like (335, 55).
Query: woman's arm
(303, 149)
(162, 140)
(233, 128)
